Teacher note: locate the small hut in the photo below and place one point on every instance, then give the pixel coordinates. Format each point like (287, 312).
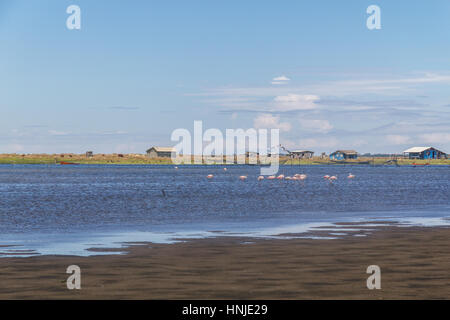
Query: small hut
(344, 155)
(424, 153)
(161, 152)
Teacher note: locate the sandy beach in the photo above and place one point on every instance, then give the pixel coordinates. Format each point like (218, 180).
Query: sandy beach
(414, 262)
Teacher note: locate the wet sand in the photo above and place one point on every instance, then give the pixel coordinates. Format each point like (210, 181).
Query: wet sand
(414, 262)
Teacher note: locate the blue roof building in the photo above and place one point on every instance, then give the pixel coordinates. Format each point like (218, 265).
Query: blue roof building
(344, 155)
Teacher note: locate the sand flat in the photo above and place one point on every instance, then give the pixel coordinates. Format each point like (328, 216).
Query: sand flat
(414, 261)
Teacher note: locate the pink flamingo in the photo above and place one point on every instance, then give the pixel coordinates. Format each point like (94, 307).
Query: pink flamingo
(209, 176)
(350, 176)
(225, 169)
(280, 177)
(260, 178)
(271, 177)
(332, 178)
(326, 177)
(243, 178)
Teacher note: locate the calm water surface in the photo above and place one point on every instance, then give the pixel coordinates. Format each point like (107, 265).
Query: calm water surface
(64, 209)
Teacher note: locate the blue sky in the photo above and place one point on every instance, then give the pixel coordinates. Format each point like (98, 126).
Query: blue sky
(137, 70)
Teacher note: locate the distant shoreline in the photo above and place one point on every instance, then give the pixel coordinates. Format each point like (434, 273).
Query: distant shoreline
(140, 159)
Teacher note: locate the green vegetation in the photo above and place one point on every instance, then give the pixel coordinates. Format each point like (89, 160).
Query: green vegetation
(81, 159)
(372, 161)
(142, 159)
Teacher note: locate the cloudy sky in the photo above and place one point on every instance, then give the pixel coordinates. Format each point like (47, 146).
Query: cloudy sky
(137, 70)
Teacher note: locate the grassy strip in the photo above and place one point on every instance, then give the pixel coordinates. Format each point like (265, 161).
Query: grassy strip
(141, 159)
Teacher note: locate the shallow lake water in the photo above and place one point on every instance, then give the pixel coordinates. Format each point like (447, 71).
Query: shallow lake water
(53, 209)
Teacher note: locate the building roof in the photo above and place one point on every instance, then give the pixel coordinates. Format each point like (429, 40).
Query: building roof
(346, 151)
(420, 149)
(162, 149)
(416, 149)
(302, 151)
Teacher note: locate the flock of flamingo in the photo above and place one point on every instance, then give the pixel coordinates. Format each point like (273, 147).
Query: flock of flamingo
(297, 176)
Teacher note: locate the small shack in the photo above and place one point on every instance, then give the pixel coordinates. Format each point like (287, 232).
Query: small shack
(302, 154)
(424, 153)
(344, 155)
(161, 152)
(89, 154)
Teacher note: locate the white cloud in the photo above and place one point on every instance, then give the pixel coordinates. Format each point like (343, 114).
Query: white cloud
(319, 143)
(292, 102)
(359, 143)
(110, 132)
(436, 137)
(397, 139)
(381, 108)
(268, 121)
(14, 148)
(360, 85)
(280, 80)
(17, 132)
(57, 133)
(322, 126)
(393, 84)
